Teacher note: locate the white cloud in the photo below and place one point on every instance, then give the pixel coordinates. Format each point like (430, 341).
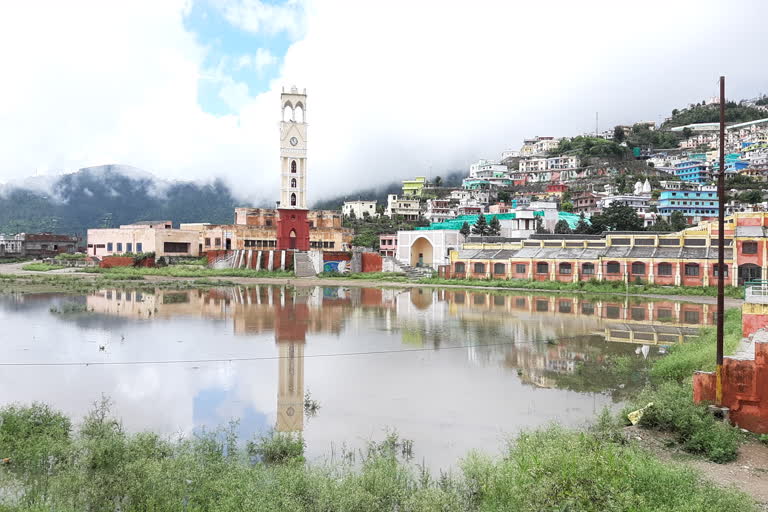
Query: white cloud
(262, 59)
(261, 17)
(394, 88)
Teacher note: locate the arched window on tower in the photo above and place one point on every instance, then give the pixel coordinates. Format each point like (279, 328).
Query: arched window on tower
(293, 199)
(298, 113)
(293, 182)
(293, 166)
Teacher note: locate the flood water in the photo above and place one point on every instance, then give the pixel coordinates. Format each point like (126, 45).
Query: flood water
(450, 370)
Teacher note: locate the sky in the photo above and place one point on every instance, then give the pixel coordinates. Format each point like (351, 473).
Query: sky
(189, 89)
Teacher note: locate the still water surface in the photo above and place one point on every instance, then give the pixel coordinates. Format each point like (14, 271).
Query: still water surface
(450, 370)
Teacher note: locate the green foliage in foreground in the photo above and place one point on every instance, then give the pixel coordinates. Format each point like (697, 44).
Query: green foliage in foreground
(99, 466)
(188, 271)
(71, 256)
(41, 267)
(695, 428)
(673, 410)
(590, 286)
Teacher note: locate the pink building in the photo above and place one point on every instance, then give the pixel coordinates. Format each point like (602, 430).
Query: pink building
(388, 245)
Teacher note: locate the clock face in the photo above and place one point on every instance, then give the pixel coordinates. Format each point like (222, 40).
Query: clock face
(294, 141)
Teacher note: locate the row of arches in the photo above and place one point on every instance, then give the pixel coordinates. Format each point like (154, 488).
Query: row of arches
(638, 268)
(293, 113)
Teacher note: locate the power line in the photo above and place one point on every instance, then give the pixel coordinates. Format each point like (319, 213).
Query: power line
(260, 358)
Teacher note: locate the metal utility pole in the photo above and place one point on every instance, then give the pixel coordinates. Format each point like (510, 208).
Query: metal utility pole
(721, 251)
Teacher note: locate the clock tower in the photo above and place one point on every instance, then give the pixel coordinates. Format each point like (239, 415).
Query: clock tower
(292, 225)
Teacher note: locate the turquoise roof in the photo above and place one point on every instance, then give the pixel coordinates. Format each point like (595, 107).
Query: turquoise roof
(459, 221)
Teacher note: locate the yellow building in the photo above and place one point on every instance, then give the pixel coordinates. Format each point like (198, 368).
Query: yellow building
(414, 187)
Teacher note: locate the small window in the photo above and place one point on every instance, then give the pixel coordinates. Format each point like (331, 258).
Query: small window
(749, 247)
(612, 312)
(638, 268)
(293, 199)
(665, 269)
(458, 267)
(109, 246)
(587, 308)
(638, 314)
(269, 222)
(129, 247)
(119, 247)
(499, 268)
(217, 242)
(459, 297)
(564, 306)
(542, 306)
(692, 269)
(716, 268)
(565, 268)
(479, 268)
(613, 267)
(293, 182)
(588, 269)
(664, 314)
(542, 267)
(139, 247)
(207, 242)
(520, 268)
(293, 166)
(691, 317)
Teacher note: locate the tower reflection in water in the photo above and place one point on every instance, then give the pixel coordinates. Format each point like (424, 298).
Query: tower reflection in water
(291, 323)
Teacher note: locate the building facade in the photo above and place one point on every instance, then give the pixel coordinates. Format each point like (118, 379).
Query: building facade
(695, 205)
(157, 237)
(687, 258)
(359, 209)
(409, 209)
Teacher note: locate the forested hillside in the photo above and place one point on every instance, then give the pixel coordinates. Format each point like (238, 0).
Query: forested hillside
(110, 196)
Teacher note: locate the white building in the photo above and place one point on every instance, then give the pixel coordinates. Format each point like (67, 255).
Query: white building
(640, 203)
(439, 210)
(471, 197)
(11, 245)
(410, 209)
(359, 209)
(563, 162)
(427, 247)
(494, 174)
(533, 165)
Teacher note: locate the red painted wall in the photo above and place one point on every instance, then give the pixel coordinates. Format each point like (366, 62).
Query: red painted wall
(337, 256)
(372, 262)
(292, 220)
(123, 261)
(745, 389)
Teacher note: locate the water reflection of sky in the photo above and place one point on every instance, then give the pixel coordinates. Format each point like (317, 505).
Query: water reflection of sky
(449, 369)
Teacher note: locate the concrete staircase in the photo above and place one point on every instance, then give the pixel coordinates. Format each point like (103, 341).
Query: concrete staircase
(416, 273)
(302, 265)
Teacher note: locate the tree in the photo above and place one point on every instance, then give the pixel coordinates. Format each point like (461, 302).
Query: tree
(566, 206)
(465, 229)
(675, 111)
(582, 227)
(481, 226)
(687, 132)
(540, 229)
(494, 228)
(438, 181)
(503, 196)
(677, 221)
(661, 225)
(753, 196)
(618, 134)
(618, 217)
(562, 228)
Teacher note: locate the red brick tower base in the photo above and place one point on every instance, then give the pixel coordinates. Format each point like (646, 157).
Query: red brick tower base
(292, 229)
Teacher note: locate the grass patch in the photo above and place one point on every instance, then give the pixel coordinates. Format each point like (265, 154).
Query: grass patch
(99, 466)
(187, 271)
(71, 256)
(699, 354)
(396, 277)
(41, 267)
(590, 286)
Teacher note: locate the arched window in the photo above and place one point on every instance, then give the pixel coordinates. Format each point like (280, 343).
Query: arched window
(287, 111)
(499, 268)
(293, 166)
(293, 199)
(692, 269)
(613, 267)
(565, 268)
(479, 268)
(588, 269)
(298, 113)
(293, 182)
(459, 267)
(638, 268)
(665, 269)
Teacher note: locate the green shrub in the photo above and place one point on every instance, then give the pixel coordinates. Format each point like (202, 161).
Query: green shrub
(41, 267)
(278, 448)
(694, 427)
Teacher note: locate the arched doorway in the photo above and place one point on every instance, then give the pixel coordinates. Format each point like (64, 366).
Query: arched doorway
(421, 253)
(749, 272)
(292, 239)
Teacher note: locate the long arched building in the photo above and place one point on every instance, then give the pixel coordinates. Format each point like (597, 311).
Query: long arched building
(687, 257)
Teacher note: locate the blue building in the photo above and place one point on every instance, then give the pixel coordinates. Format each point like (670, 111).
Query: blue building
(693, 171)
(690, 203)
